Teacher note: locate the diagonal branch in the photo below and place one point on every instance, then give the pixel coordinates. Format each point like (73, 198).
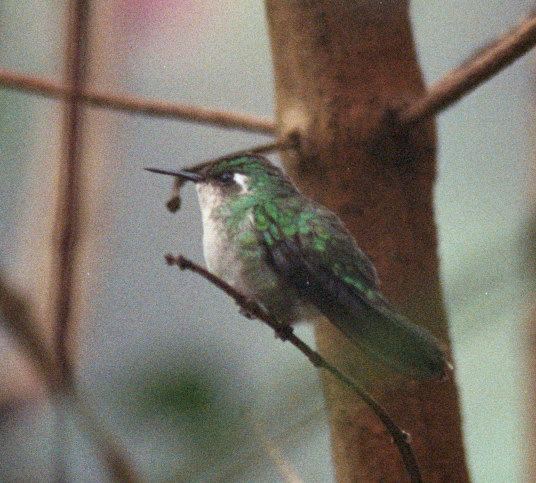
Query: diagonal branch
(16, 315)
(285, 332)
(475, 71)
(440, 96)
(138, 105)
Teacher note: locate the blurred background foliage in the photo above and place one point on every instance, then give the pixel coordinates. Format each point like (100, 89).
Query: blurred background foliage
(194, 391)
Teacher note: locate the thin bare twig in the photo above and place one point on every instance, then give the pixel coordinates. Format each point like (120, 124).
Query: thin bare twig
(473, 72)
(285, 332)
(16, 315)
(267, 148)
(68, 210)
(251, 459)
(137, 105)
(292, 142)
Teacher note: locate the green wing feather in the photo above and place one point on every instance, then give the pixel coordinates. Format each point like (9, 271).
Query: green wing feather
(315, 253)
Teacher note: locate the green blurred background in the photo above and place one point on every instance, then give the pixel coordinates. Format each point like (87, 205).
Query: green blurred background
(195, 391)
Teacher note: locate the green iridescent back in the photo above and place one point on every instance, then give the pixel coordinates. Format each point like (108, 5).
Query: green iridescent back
(273, 211)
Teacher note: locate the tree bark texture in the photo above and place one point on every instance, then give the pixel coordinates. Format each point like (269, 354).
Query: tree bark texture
(342, 69)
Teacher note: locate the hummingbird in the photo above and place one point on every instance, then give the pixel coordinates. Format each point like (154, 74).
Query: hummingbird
(296, 259)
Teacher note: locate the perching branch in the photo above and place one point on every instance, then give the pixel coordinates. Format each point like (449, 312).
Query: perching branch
(16, 315)
(137, 105)
(475, 71)
(286, 333)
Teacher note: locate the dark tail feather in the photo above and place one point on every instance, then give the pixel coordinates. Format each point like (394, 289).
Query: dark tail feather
(391, 338)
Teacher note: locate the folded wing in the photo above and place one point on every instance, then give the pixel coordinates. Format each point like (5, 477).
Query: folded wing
(322, 261)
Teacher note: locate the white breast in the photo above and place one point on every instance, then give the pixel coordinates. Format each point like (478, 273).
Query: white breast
(219, 251)
(222, 259)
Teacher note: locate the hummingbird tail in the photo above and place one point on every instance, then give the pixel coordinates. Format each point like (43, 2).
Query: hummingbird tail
(387, 335)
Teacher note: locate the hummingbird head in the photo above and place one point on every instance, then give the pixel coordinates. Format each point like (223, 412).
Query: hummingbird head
(218, 180)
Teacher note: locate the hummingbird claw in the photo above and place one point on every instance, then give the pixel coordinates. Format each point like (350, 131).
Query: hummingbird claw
(243, 308)
(283, 332)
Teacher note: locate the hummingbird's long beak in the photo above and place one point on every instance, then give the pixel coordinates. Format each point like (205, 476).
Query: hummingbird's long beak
(181, 173)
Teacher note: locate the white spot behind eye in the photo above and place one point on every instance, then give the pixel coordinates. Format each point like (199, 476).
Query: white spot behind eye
(242, 181)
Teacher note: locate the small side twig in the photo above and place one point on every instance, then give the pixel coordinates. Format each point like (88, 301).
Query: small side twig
(459, 82)
(279, 145)
(291, 142)
(286, 333)
(138, 105)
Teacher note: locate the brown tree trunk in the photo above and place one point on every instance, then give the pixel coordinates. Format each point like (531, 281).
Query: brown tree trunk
(341, 69)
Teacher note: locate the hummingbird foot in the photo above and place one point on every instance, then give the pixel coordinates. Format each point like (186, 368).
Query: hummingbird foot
(283, 332)
(247, 307)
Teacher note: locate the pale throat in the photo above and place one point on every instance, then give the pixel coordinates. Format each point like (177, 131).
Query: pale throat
(211, 199)
(218, 247)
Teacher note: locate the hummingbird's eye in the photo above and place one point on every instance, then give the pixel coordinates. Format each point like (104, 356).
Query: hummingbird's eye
(226, 177)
